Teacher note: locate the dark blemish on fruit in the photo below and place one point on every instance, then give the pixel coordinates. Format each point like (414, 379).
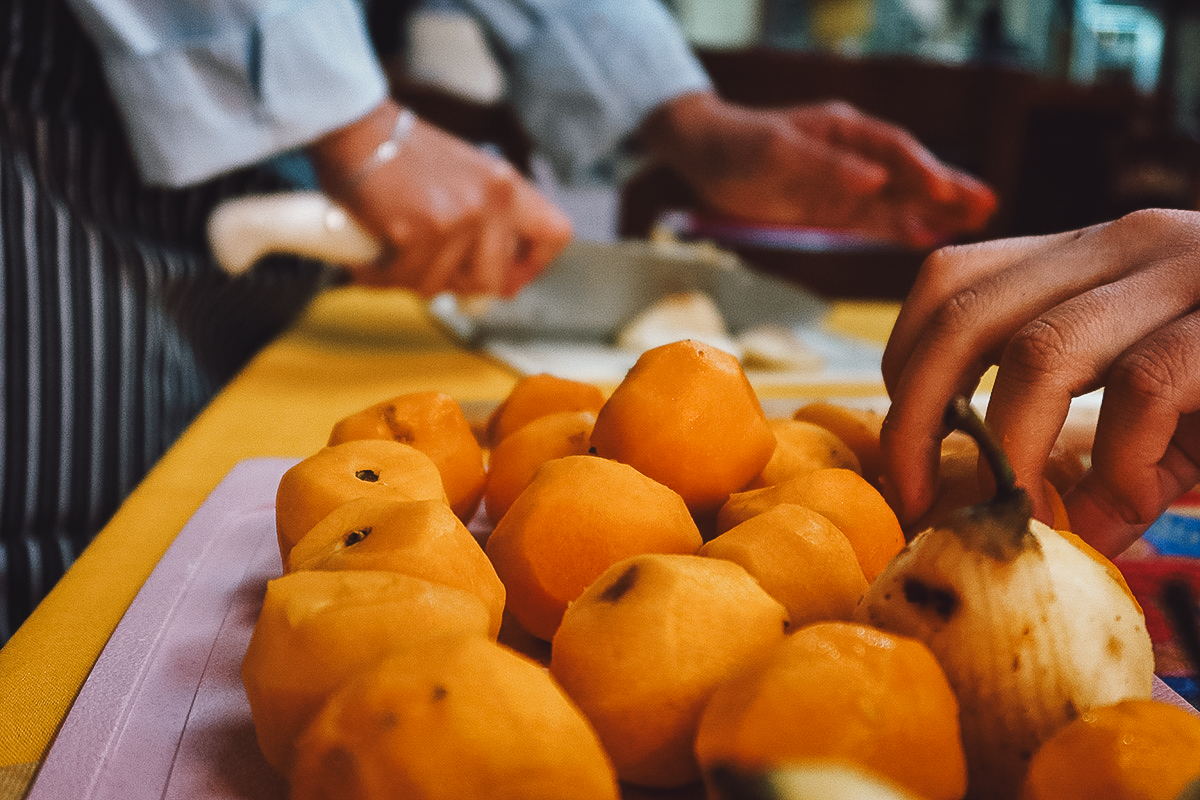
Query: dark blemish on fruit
(439, 693)
(354, 537)
(388, 720)
(624, 582)
(1115, 646)
(591, 451)
(401, 429)
(368, 475)
(1070, 709)
(942, 602)
(1016, 663)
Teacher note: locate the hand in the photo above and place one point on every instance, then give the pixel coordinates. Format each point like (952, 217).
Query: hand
(1111, 306)
(452, 217)
(825, 165)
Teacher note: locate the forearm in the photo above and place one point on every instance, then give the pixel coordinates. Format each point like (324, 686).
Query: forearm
(203, 88)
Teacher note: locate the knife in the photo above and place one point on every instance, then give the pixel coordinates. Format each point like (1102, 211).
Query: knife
(243, 230)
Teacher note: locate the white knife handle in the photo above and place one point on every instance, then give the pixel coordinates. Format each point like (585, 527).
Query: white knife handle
(243, 230)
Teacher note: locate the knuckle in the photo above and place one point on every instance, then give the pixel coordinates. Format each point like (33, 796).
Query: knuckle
(1147, 372)
(1037, 351)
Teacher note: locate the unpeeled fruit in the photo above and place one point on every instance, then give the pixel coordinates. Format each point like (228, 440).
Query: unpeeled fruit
(837, 691)
(578, 516)
(686, 416)
(422, 538)
(642, 650)
(434, 423)
(461, 718)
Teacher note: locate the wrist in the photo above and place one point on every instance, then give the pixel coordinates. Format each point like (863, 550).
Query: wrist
(347, 156)
(684, 133)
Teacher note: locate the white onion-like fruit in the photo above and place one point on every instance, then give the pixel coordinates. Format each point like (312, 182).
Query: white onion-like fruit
(1031, 626)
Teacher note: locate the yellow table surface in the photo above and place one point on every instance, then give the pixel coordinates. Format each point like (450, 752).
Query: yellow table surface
(351, 349)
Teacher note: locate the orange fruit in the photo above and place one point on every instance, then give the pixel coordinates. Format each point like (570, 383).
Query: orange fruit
(642, 650)
(515, 460)
(537, 395)
(317, 629)
(837, 691)
(802, 447)
(1134, 750)
(578, 516)
(434, 423)
(686, 416)
(800, 558)
(360, 468)
(461, 718)
(961, 484)
(858, 428)
(422, 538)
(844, 497)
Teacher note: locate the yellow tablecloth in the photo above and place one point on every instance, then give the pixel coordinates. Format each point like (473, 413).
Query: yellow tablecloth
(353, 348)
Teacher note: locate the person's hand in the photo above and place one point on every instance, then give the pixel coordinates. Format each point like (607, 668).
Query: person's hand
(451, 217)
(1112, 306)
(826, 165)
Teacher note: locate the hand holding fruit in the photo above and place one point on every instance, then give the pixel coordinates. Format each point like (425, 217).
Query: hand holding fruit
(1112, 305)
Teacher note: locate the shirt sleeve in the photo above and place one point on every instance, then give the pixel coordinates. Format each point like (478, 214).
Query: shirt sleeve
(583, 74)
(205, 86)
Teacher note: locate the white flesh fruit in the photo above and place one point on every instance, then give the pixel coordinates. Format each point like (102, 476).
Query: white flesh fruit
(1028, 642)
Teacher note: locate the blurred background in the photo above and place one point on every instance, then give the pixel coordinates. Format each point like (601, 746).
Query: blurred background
(1075, 111)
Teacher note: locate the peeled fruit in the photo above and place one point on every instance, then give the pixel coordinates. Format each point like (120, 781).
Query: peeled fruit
(423, 538)
(845, 693)
(800, 558)
(842, 496)
(800, 448)
(1134, 750)
(578, 516)
(359, 468)
(808, 780)
(858, 428)
(434, 423)
(516, 460)
(537, 395)
(642, 650)
(461, 718)
(1032, 628)
(317, 629)
(686, 416)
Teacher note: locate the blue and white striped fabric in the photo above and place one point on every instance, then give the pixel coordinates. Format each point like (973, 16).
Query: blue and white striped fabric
(118, 327)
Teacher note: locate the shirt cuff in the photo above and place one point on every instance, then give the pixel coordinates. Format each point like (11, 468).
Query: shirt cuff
(204, 107)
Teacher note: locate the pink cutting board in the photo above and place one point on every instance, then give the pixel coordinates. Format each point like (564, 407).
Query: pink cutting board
(163, 715)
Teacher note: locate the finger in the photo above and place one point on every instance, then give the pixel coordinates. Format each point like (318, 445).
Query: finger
(1144, 452)
(951, 336)
(542, 231)
(1064, 353)
(944, 274)
(446, 262)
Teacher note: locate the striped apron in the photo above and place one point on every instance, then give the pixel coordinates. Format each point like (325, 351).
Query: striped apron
(118, 326)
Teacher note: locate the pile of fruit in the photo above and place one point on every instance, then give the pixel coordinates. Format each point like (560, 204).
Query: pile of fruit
(675, 594)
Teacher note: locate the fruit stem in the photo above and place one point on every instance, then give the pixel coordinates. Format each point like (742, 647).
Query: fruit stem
(999, 526)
